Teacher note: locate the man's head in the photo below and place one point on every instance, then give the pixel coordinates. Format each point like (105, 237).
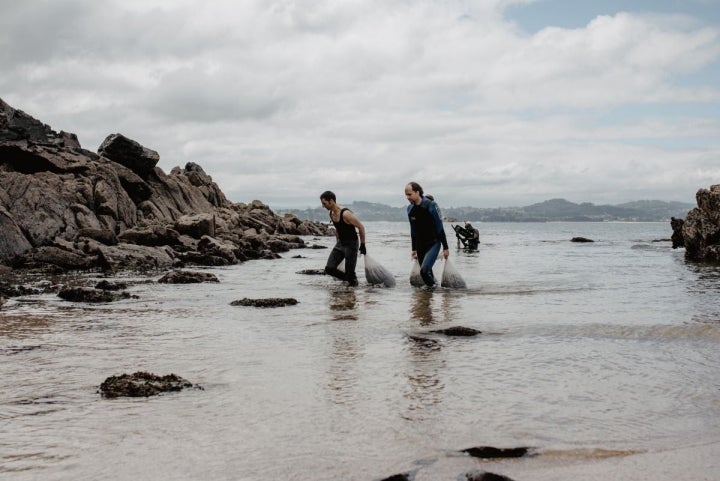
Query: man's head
(468, 225)
(414, 192)
(327, 199)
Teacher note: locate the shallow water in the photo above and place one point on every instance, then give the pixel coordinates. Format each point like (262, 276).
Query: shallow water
(587, 351)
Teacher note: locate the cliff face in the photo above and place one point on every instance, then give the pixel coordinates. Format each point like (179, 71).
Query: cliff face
(701, 227)
(67, 207)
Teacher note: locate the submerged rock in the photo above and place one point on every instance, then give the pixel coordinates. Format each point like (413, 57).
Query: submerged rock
(86, 294)
(143, 384)
(485, 476)
(581, 239)
(111, 286)
(489, 452)
(267, 302)
(458, 331)
(399, 477)
(312, 272)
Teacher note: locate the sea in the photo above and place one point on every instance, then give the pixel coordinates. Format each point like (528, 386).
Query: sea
(587, 351)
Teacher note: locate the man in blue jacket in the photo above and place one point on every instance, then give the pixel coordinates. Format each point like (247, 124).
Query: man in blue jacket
(426, 231)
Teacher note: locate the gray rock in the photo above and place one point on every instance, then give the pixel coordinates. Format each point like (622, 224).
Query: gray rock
(85, 294)
(701, 227)
(187, 277)
(55, 194)
(129, 153)
(134, 257)
(196, 226)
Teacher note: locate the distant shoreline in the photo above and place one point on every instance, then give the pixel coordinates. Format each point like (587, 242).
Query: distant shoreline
(555, 210)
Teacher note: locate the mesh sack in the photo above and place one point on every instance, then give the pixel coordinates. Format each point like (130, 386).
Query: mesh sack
(375, 273)
(451, 277)
(415, 277)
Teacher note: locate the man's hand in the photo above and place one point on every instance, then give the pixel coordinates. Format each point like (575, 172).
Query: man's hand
(363, 250)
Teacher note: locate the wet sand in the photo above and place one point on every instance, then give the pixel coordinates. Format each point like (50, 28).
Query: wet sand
(695, 463)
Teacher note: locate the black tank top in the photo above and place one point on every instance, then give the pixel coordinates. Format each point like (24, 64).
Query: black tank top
(346, 232)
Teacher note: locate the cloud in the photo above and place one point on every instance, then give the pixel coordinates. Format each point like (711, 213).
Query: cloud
(280, 100)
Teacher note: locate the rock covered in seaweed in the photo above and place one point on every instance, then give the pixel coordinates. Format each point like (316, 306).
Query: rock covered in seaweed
(265, 302)
(143, 384)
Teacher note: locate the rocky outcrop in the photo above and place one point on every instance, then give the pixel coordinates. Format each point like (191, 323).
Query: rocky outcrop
(699, 232)
(69, 208)
(677, 235)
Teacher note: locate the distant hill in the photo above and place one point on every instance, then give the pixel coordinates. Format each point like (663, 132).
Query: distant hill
(552, 210)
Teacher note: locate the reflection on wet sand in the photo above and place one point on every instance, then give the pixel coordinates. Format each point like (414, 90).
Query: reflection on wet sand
(345, 351)
(426, 360)
(421, 307)
(343, 305)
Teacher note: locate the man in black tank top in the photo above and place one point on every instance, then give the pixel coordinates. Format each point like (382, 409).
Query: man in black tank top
(347, 245)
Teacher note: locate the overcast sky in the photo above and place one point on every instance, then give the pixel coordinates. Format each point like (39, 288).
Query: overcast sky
(484, 102)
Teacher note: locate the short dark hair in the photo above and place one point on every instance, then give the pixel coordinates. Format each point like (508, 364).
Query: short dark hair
(328, 195)
(416, 187)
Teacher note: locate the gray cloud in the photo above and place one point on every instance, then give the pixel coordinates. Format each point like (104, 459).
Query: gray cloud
(280, 100)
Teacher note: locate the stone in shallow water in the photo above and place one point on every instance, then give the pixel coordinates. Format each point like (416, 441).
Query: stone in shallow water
(485, 476)
(489, 452)
(458, 331)
(143, 384)
(187, 277)
(84, 294)
(312, 272)
(266, 302)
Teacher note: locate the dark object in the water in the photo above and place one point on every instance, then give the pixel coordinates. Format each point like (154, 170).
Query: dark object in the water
(312, 272)
(85, 294)
(399, 477)
(187, 277)
(318, 246)
(425, 342)
(677, 234)
(142, 384)
(267, 302)
(489, 452)
(581, 239)
(111, 286)
(458, 331)
(485, 476)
